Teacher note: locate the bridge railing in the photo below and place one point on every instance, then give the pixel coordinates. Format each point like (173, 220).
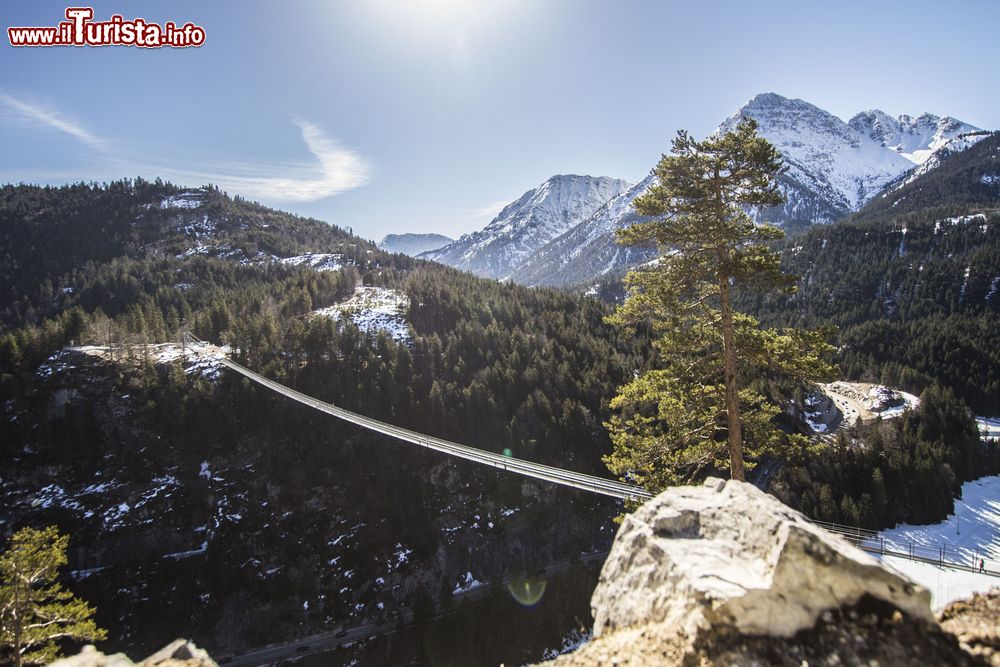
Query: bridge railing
(940, 554)
(868, 540)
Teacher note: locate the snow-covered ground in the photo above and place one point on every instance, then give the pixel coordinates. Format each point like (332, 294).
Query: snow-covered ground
(858, 400)
(226, 251)
(204, 360)
(467, 584)
(188, 199)
(989, 427)
(976, 218)
(199, 229)
(970, 534)
(373, 309)
(318, 261)
(573, 640)
(882, 399)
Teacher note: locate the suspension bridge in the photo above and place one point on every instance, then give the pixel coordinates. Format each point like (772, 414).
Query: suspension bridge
(866, 540)
(576, 480)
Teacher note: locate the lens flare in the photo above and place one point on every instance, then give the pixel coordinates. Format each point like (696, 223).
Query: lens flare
(528, 591)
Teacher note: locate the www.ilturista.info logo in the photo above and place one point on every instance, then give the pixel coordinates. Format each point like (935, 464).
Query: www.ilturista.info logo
(81, 30)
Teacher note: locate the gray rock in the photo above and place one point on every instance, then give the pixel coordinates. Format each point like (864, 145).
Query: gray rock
(180, 650)
(727, 554)
(179, 653)
(91, 657)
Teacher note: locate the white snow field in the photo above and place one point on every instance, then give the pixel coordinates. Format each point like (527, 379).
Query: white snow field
(204, 360)
(318, 261)
(970, 534)
(373, 309)
(989, 427)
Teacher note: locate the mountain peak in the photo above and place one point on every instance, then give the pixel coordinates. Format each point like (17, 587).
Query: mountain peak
(535, 218)
(833, 168)
(914, 138)
(773, 102)
(769, 99)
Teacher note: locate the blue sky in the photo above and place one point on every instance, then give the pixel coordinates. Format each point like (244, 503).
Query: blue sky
(428, 115)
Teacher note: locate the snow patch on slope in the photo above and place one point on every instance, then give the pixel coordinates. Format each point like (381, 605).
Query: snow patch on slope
(970, 534)
(374, 309)
(318, 261)
(188, 199)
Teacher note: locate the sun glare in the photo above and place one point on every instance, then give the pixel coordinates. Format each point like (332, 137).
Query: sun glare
(434, 19)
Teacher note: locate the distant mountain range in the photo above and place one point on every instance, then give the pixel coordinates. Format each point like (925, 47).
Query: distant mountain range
(562, 233)
(413, 244)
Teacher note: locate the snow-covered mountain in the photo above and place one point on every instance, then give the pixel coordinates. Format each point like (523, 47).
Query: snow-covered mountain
(589, 250)
(521, 228)
(413, 244)
(916, 139)
(833, 168)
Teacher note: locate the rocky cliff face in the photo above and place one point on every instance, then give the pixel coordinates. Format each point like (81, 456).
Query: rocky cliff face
(724, 574)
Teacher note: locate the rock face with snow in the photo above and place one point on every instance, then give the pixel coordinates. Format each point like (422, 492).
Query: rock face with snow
(589, 250)
(727, 554)
(835, 167)
(521, 228)
(915, 139)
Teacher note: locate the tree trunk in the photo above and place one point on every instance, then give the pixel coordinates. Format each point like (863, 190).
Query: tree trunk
(735, 426)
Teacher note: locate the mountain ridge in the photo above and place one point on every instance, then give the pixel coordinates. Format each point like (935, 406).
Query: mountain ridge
(413, 244)
(833, 168)
(525, 225)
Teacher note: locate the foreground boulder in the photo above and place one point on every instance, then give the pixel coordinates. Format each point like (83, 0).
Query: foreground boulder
(724, 574)
(179, 653)
(728, 554)
(976, 623)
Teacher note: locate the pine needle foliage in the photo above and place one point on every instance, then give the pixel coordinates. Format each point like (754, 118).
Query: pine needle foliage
(698, 410)
(36, 612)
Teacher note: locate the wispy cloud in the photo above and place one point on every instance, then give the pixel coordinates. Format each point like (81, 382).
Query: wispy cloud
(335, 168)
(489, 211)
(340, 169)
(40, 114)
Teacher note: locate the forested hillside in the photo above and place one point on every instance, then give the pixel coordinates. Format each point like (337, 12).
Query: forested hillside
(910, 282)
(165, 468)
(912, 288)
(281, 521)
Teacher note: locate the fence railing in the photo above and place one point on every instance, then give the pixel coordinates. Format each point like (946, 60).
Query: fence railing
(968, 559)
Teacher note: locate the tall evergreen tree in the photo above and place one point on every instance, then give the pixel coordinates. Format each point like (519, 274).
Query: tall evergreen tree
(36, 612)
(671, 420)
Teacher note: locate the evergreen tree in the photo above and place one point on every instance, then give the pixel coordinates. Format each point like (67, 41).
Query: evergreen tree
(36, 612)
(671, 421)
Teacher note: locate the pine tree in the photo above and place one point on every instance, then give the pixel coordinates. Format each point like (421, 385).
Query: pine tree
(36, 612)
(675, 421)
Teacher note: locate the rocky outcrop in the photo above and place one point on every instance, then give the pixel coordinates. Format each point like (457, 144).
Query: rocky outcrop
(724, 574)
(179, 653)
(729, 554)
(976, 623)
